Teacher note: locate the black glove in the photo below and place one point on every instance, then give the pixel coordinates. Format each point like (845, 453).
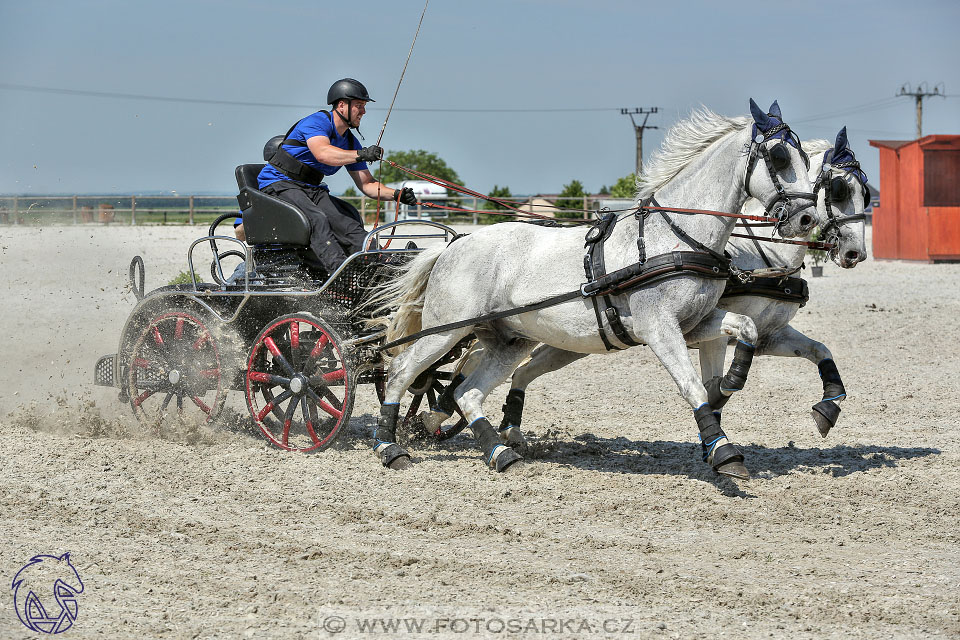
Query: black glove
(373, 153)
(405, 196)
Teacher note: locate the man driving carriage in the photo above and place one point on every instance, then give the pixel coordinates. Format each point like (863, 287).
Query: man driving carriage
(316, 147)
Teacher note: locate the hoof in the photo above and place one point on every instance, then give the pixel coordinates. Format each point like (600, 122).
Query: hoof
(734, 469)
(825, 414)
(727, 460)
(400, 464)
(393, 456)
(513, 438)
(503, 457)
(432, 420)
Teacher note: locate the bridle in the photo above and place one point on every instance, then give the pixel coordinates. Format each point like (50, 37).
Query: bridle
(836, 189)
(776, 159)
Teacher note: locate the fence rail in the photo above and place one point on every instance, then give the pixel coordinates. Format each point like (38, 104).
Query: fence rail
(195, 209)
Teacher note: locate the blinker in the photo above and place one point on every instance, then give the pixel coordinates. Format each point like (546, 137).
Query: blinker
(780, 156)
(839, 189)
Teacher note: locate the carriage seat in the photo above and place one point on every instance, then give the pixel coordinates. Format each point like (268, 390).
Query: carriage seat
(266, 219)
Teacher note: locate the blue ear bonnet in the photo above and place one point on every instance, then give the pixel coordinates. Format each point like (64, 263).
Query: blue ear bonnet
(842, 154)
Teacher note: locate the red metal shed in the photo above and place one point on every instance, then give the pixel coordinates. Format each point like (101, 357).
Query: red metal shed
(919, 213)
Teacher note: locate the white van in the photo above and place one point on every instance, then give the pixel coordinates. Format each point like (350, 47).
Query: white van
(425, 192)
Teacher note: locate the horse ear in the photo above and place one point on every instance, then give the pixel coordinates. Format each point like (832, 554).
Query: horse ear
(775, 110)
(841, 142)
(762, 119)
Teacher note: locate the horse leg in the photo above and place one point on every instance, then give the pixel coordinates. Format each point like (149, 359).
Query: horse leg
(496, 361)
(789, 342)
(544, 360)
(712, 353)
(403, 371)
(436, 415)
(715, 330)
(671, 348)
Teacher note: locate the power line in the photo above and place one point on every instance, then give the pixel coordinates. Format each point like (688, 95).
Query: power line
(919, 95)
(241, 103)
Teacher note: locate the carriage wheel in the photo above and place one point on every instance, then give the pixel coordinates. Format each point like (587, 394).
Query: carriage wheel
(428, 385)
(299, 383)
(179, 370)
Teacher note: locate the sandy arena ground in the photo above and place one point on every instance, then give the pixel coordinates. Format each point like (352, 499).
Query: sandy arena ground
(617, 530)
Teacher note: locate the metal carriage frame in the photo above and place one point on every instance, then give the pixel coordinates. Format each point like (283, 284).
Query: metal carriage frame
(296, 347)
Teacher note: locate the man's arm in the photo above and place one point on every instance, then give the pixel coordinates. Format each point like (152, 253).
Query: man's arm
(326, 153)
(370, 187)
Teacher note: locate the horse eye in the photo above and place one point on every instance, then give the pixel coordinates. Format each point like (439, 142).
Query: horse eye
(839, 190)
(780, 156)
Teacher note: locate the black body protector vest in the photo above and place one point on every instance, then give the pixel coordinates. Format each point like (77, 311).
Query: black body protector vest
(287, 164)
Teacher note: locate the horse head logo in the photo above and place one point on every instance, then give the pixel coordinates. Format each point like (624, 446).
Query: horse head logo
(45, 593)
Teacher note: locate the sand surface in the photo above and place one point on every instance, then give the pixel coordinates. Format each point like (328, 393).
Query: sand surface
(616, 530)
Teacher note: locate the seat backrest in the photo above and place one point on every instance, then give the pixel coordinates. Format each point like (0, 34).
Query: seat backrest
(267, 219)
(247, 175)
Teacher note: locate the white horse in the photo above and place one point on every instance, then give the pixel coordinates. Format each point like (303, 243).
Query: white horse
(841, 197)
(709, 162)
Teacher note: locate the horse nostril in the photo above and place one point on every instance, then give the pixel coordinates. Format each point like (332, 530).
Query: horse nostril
(806, 221)
(852, 256)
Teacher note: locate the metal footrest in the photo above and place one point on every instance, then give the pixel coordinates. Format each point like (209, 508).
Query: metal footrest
(103, 372)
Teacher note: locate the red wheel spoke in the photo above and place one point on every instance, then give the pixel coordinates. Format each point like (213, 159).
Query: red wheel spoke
(202, 340)
(306, 419)
(157, 338)
(140, 398)
(287, 419)
(332, 411)
(259, 376)
(142, 363)
(197, 401)
(295, 334)
(178, 332)
(334, 375)
(210, 373)
(272, 347)
(321, 343)
(323, 404)
(266, 409)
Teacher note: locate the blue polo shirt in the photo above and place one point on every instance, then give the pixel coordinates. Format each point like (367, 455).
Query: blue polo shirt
(316, 124)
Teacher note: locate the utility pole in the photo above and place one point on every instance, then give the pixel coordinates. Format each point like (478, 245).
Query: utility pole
(638, 129)
(919, 95)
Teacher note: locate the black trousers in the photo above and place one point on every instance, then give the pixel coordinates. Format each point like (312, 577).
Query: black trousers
(336, 231)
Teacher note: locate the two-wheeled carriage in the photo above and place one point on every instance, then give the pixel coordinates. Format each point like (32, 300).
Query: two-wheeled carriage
(295, 341)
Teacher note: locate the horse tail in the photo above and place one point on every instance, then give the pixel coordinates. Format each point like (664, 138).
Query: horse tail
(398, 303)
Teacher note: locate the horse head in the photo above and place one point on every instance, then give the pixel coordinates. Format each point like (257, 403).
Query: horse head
(777, 173)
(842, 196)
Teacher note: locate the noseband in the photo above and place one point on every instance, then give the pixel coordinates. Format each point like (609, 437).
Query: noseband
(830, 230)
(772, 157)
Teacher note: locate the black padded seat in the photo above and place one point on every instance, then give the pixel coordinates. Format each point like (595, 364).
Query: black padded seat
(266, 219)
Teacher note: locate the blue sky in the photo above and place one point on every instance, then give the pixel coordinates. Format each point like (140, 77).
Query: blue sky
(69, 121)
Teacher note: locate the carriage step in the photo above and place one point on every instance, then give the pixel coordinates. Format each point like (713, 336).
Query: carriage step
(103, 372)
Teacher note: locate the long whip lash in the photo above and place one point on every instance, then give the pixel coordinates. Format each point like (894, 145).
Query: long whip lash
(399, 82)
(390, 110)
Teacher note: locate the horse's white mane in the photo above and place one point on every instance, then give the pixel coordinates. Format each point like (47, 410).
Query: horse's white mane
(685, 141)
(812, 147)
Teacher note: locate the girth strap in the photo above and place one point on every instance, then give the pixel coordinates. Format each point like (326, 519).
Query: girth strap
(784, 289)
(594, 267)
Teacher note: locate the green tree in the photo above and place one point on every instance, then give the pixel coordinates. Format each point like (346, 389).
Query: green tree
(418, 160)
(571, 198)
(496, 192)
(625, 187)
(350, 193)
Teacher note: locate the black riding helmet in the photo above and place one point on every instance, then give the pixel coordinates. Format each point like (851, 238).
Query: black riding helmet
(348, 89)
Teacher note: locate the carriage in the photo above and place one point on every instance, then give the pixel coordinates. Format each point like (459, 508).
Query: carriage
(297, 342)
